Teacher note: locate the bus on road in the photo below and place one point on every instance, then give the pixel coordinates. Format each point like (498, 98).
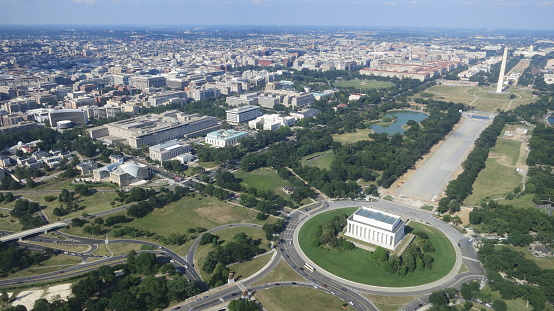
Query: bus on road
(309, 267)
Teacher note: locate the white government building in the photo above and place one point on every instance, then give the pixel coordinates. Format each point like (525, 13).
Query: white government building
(376, 227)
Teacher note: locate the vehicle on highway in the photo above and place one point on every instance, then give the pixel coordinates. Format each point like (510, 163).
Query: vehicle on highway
(309, 267)
(350, 302)
(325, 285)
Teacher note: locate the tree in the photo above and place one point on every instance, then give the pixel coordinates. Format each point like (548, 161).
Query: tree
(499, 305)
(242, 305)
(123, 301)
(438, 298)
(82, 189)
(8, 197)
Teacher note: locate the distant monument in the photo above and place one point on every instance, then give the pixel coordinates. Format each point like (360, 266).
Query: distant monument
(500, 85)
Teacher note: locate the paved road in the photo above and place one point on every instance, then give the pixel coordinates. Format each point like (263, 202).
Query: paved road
(432, 177)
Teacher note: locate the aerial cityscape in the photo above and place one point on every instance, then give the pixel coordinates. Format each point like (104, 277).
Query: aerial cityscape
(276, 155)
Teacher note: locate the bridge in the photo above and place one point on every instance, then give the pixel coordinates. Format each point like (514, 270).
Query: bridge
(22, 234)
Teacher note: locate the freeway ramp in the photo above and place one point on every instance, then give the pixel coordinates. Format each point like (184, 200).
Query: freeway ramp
(22, 234)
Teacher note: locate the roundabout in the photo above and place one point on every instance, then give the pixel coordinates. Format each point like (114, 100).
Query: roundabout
(358, 266)
(449, 277)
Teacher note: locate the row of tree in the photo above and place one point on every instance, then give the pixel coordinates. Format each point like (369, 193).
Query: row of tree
(458, 189)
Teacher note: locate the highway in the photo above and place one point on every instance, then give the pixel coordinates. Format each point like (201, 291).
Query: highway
(289, 251)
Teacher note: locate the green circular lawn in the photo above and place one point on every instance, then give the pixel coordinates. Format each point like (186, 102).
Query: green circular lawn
(357, 266)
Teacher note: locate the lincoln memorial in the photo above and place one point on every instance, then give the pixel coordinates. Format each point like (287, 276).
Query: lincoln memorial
(376, 227)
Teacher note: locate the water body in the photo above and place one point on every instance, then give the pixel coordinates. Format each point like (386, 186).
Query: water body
(402, 118)
(551, 120)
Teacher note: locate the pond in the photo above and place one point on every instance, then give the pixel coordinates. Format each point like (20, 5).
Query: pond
(402, 118)
(551, 120)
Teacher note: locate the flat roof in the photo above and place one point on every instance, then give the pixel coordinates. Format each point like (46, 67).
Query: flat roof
(388, 219)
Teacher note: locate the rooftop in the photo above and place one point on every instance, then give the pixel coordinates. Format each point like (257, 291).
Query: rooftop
(379, 216)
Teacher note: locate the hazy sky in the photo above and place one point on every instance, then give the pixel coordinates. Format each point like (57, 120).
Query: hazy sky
(511, 14)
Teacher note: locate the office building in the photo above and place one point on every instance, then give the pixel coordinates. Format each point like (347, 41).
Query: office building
(243, 114)
(166, 151)
(154, 129)
(146, 81)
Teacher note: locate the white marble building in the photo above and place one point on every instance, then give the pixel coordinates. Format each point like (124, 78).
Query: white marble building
(376, 227)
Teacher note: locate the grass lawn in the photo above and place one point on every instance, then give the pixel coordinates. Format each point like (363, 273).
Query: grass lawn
(287, 298)
(389, 303)
(54, 184)
(524, 201)
(97, 202)
(263, 179)
(364, 84)
(245, 269)
(226, 236)
(9, 223)
(58, 262)
(482, 98)
(192, 212)
(282, 272)
(323, 161)
(499, 176)
(350, 138)
(210, 164)
(360, 267)
(117, 248)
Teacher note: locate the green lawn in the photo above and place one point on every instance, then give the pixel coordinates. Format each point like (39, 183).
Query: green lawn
(525, 201)
(357, 265)
(323, 162)
(389, 303)
(364, 84)
(263, 179)
(350, 138)
(287, 298)
(282, 272)
(8, 222)
(499, 176)
(226, 236)
(210, 164)
(54, 184)
(482, 98)
(97, 202)
(189, 212)
(245, 269)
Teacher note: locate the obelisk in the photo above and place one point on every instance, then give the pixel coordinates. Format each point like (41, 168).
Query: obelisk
(502, 71)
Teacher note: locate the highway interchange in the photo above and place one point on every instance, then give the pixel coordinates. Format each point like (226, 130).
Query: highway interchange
(293, 256)
(289, 251)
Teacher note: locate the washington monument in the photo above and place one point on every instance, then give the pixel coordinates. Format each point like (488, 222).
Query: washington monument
(502, 71)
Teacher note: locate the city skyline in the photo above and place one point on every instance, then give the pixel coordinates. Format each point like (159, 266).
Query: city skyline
(497, 14)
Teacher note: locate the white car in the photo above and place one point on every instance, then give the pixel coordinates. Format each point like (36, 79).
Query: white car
(350, 302)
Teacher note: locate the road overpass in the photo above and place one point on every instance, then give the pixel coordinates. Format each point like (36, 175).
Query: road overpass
(41, 230)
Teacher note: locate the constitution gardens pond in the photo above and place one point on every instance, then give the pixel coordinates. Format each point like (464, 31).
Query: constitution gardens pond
(358, 266)
(400, 119)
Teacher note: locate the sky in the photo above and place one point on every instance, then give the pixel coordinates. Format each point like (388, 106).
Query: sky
(492, 14)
